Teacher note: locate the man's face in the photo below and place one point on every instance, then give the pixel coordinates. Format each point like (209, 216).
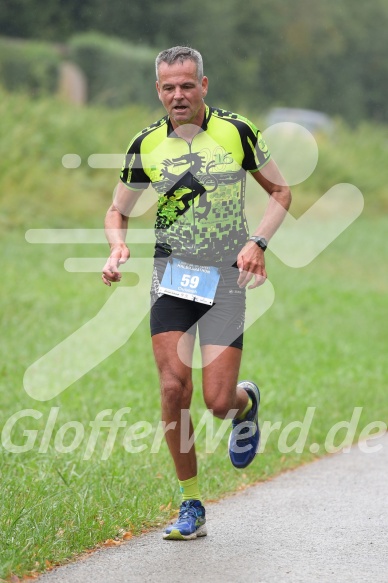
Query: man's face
(181, 92)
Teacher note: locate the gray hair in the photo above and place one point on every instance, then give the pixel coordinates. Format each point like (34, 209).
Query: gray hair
(181, 54)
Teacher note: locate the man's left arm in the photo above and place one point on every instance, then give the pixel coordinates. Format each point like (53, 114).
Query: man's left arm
(250, 260)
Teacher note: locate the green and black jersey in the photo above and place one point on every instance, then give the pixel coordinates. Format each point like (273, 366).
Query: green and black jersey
(200, 185)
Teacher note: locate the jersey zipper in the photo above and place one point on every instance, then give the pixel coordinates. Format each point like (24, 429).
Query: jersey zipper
(192, 186)
(192, 195)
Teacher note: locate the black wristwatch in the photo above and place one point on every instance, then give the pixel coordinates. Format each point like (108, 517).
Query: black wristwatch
(260, 242)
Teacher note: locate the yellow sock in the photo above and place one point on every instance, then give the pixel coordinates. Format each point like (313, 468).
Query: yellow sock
(189, 489)
(246, 410)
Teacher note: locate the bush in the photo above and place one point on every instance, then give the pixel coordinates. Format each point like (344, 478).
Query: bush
(117, 73)
(29, 66)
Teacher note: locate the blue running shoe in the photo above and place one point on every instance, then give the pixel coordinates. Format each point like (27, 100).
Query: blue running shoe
(190, 523)
(245, 436)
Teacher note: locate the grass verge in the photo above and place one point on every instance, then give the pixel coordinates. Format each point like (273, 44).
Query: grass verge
(321, 345)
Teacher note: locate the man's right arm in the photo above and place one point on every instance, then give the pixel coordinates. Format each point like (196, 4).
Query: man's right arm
(116, 223)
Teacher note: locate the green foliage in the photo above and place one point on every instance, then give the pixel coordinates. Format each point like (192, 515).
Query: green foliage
(53, 20)
(355, 155)
(118, 73)
(29, 66)
(34, 185)
(331, 55)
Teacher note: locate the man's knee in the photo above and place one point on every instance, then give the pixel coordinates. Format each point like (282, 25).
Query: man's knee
(176, 393)
(221, 405)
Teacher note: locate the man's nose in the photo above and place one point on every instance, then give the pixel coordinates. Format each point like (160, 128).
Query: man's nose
(178, 93)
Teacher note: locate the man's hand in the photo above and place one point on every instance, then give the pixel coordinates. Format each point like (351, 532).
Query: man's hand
(119, 255)
(251, 263)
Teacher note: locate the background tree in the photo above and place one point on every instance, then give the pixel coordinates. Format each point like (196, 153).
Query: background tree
(328, 55)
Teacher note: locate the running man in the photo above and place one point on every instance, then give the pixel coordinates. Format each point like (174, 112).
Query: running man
(197, 158)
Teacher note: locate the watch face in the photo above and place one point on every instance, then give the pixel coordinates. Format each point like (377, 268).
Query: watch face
(261, 242)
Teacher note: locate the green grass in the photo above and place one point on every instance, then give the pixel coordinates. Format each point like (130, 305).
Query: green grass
(322, 344)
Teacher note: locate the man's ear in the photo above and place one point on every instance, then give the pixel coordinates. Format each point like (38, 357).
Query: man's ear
(205, 85)
(158, 90)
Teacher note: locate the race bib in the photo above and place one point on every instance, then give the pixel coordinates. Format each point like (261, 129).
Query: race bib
(197, 283)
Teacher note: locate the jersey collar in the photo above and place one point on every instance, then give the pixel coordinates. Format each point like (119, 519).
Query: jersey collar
(171, 132)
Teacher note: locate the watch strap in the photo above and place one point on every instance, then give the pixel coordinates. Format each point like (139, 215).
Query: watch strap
(260, 242)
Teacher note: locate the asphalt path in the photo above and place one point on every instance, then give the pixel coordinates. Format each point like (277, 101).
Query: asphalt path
(324, 522)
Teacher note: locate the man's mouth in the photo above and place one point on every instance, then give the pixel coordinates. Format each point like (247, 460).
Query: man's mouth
(180, 107)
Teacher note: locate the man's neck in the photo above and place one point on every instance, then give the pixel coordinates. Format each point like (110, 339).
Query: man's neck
(189, 130)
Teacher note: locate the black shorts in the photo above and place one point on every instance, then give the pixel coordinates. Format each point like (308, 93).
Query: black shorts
(221, 324)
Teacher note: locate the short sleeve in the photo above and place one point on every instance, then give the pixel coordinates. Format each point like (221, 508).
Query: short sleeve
(256, 152)
(132, 172)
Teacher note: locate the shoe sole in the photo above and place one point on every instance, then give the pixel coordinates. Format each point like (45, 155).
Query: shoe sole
(175, 534)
